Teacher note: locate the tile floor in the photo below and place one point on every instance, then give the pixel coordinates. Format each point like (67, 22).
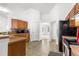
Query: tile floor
(41, 48)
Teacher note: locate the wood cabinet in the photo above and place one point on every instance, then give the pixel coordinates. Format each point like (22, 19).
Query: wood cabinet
(19, 24)
(22, 24)
(71, 16)
(17, 48)
(72, 23)
(72, 13)
(77, 8)
(77, 23)
(14, 23)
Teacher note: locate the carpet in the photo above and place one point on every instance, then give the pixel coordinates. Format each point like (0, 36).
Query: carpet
(55, 54)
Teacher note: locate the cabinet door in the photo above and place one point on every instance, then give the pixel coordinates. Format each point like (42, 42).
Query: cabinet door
(76, 11)
(77, 22)
(14, 23)
(77, 8)
(17, 48)
(25, 24)
(21, 24)
(72, 13)
(72, 18)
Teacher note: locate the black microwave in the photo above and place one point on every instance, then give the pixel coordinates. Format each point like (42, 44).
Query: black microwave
(70, 31)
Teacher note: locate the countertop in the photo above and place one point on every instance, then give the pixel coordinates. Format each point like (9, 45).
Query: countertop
(16, 39)
(13, 38)
(75, 49)
(4, 36)
(69, 37)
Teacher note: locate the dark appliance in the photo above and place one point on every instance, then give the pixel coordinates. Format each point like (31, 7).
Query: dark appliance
(66, 30)
(69, 31)
(20, 30)
(62, 24)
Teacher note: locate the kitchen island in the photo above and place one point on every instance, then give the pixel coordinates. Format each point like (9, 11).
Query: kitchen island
(17, 46)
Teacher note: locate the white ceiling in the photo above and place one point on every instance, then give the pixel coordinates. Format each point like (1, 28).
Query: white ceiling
(44, 8)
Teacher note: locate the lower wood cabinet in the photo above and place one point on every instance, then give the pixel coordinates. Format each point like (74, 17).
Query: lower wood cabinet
(17, 48)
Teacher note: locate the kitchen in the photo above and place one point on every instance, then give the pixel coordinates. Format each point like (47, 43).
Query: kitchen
(70, 35)
(20, 26)
(18, 37)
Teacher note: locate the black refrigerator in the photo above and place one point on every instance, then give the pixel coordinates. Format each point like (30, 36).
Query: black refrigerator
(62, 24)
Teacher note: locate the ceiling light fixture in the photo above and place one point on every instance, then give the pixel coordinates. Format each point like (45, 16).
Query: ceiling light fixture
(5, 10)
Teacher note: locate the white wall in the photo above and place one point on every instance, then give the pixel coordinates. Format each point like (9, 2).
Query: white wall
(58, 12)
(4, 24)
(45, 18)
(54, 17)
(33, 17)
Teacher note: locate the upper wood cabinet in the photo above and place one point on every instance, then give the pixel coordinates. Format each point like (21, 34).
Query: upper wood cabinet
(72, 13)
(19, 24)
(71, 16)
(77, 8)
(14, 23)
(22, 24)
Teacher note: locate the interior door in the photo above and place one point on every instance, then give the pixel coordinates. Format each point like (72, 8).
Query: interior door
(44, 31)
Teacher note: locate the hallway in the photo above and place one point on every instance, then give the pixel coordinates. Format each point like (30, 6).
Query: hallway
(41, 48)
